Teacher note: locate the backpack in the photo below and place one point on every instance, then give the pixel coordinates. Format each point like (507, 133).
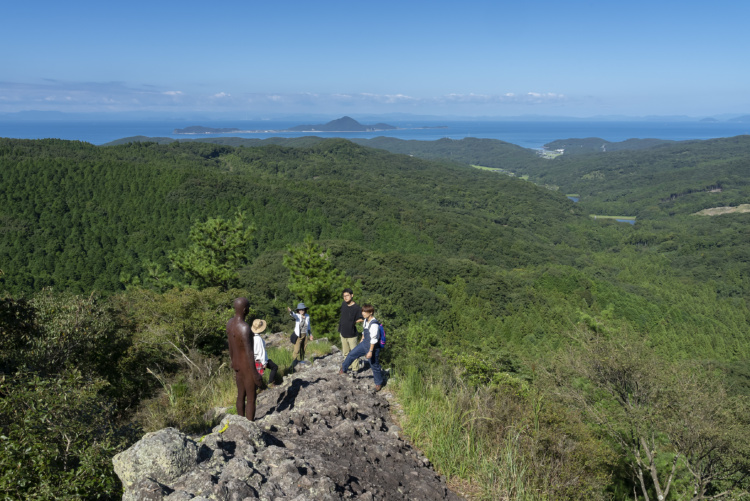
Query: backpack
(381, 333)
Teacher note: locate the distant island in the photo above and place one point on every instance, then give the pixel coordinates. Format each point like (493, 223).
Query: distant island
(343, 124)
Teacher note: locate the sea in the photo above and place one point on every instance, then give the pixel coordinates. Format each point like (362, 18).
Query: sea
(527, 134)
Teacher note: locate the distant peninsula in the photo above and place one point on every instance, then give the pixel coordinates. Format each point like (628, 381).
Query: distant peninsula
(344, 124)
(197, 129)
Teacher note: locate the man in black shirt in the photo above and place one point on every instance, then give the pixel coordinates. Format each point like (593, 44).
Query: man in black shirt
(351, 314)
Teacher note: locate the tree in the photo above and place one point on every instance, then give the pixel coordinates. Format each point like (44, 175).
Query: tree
(219, 248)
(661, 414)
(709, 428)
(314, 280)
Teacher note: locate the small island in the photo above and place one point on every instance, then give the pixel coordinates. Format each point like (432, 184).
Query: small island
(344, 124)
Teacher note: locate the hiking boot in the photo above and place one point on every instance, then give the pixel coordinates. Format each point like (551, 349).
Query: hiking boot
(341, 372)
(378, 387)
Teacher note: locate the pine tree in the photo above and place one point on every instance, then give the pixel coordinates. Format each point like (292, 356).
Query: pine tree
(315, 281)
(219, 248)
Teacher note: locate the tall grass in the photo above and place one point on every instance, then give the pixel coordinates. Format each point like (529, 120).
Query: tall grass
(457, 429)
(204, 383)
(500, 440)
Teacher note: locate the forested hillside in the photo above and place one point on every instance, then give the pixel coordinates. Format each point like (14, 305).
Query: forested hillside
(599, 145)
(472, 151)
(666, 180)
(76, 216)
(574, 350)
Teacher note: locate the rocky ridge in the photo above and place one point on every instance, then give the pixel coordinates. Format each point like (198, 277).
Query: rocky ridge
(319, 435)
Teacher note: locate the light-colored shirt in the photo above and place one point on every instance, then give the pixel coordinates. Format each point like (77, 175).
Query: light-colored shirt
(259, 349)
(372, 328)
(298, 320)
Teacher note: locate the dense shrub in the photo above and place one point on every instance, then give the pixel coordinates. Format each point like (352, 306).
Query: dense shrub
(57, 438)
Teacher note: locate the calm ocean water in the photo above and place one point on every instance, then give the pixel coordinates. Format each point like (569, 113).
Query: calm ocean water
(525, 134)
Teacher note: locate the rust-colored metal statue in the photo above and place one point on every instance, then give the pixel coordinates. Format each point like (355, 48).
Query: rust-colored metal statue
(242, 358)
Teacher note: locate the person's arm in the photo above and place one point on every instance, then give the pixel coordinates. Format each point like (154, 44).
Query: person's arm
(309, 328)
(372, 343)
(293, 314)
(359, 316)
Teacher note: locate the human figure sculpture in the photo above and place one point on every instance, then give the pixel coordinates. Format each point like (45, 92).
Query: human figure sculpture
(243, 361)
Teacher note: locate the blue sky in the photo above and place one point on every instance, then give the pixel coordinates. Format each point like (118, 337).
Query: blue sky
(469, 58)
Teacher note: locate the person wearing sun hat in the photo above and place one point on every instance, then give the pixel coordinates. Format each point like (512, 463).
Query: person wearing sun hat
(262, 362)
(302, 330)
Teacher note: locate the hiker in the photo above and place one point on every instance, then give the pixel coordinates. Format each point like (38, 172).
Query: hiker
(242, 359)
(351, 314)
(369, 347)
(262, 362)
(302, 330)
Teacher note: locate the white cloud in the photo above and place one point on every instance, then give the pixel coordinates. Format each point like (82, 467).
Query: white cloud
(507, 98)
(55, 95)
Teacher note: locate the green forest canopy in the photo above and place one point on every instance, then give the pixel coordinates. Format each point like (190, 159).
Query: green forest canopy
(459, 262)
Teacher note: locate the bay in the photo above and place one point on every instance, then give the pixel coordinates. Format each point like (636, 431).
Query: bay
(528, 134)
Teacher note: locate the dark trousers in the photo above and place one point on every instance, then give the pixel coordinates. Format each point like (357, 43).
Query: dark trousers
(273, 368)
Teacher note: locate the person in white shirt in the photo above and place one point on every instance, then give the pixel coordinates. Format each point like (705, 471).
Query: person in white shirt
(302, 330)
(262, 362)
(369, 347)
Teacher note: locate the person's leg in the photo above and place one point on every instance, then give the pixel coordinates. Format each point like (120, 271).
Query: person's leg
(377, 370)
(273, 368)
(302, 348)
(359, 351)
(347, 345)
(297, 347)
(240, 404)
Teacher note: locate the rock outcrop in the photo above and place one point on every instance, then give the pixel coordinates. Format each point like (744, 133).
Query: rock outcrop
(318, 436)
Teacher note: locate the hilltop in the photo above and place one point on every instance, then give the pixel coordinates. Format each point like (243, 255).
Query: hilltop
(318, 436)
(343, 124)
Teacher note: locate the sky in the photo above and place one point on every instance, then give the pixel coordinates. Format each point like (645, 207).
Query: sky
(470, 58)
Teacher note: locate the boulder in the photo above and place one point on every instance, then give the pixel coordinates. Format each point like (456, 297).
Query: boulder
(161, 456)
